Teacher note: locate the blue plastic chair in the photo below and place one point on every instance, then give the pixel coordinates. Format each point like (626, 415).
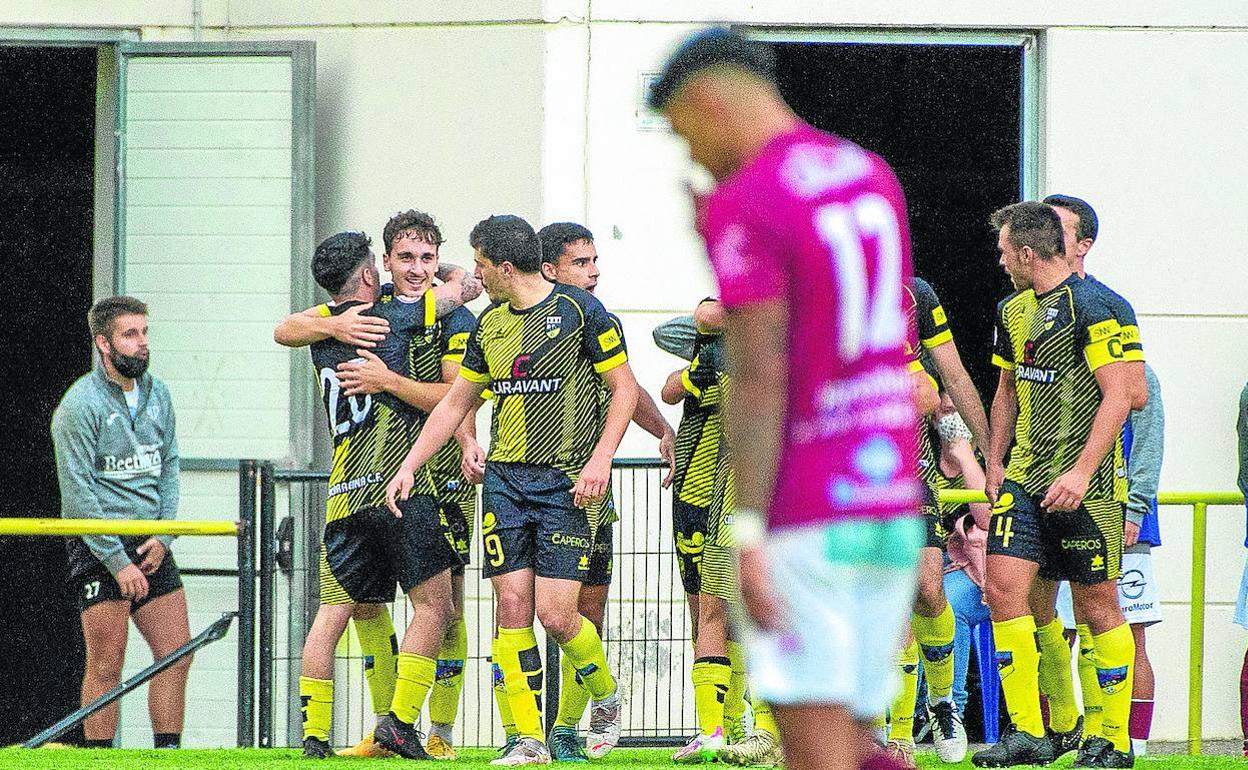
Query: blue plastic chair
(989, 680)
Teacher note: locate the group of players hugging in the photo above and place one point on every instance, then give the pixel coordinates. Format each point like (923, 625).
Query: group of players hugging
(404, 368)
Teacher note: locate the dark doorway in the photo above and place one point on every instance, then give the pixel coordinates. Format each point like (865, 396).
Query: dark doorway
(47, 172)
(947, 118)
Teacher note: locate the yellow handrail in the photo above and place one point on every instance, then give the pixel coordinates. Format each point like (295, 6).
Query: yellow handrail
(77, 527)
(1200, 502)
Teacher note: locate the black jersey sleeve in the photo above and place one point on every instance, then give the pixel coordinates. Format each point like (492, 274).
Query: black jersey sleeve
(457, 328)
(602, 341)
(1002, 348)
(473, 366)
(619, 328)
(929, 315)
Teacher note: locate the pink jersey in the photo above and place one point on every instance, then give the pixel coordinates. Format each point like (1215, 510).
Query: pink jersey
(820, 223)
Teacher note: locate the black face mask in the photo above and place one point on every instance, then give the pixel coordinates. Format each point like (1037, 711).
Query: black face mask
(132, 367)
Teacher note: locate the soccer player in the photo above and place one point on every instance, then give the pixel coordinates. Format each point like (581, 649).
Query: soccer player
(808, 239)
(116, 448)
(1063, 345)
(701, 501)
(395, 365)
(696, 388)
(1138, 595)
(933, 624)
(365, 549)
(570, 257)
(544, 350)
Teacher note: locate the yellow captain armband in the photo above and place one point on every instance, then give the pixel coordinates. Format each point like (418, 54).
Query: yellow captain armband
(1132, 348)
(324, 311)
(1104, 352)
(471, 376)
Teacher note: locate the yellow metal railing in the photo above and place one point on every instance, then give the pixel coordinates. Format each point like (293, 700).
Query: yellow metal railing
(1200, 502)
(245, 532)
(136, 527)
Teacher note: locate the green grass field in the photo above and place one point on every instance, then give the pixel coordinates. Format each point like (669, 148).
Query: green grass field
(470, 759)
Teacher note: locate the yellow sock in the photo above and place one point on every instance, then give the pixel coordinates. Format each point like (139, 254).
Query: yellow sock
(734, 700)
(318, 706)
(1018, 663)
(573, 697)
(515, 652)
(449, 681)
(935, 640)
(1115, 657)
(1089, 685)
(901, 714)
(710, 687)
(380, 649)
(763, 718)
(500, 700)
(1055, 680)
(416, 673)
(589, 658)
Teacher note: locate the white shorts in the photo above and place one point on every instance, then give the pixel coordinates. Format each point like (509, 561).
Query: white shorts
(1137, 593)
(843, 626)
(1241, 605)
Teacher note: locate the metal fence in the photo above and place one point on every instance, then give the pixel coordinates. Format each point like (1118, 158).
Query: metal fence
(647, 628)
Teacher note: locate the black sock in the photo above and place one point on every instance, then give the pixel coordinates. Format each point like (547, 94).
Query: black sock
(168, 740)
(102, 743)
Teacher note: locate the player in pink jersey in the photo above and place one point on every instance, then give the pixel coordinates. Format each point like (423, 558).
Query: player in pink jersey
(808, 239)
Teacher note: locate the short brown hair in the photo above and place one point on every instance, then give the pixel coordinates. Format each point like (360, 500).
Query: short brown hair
(415, 224)
(102, 318)
(1032, 224)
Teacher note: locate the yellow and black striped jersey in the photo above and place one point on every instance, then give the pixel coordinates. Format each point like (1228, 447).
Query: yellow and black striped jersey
(544, 366)
(723, 491)
(930, 472)
(425, 365)
(701, 426)
(1053, 343)
(373, 433)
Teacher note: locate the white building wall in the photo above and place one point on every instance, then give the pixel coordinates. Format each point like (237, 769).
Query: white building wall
(479, 107)
(1147, 125)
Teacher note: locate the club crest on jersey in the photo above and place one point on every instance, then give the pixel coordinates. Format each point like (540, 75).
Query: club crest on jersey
(1050, 317)
(554, 324)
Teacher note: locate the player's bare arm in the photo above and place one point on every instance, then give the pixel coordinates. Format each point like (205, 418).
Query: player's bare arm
(458, 287)
(1115, 382)
(962, 390)
(306, 327)
(756, 338)
(439, 428)
(674, 390)
(968, 467)
(649, 419)
(1138, 384)
(926, 397)
(593, 479)
(1001, 430)
(472, 461)
(371, 375)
